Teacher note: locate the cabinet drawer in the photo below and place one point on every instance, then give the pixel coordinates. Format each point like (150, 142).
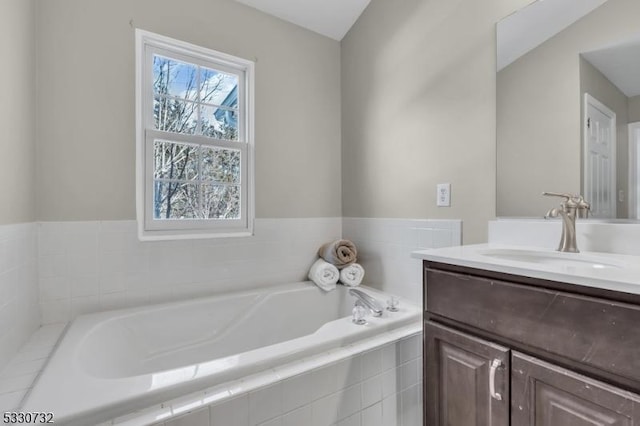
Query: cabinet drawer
(601, 334)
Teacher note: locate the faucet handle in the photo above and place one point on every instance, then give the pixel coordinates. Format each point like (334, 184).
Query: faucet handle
(567, 197)
(392, 303)
(359, 313)
(583, 208)
(570, 200)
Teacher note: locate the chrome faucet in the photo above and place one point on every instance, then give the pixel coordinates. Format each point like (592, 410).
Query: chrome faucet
(574, 206)
(368, 301)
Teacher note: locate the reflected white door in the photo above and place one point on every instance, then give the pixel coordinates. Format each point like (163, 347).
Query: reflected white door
(634, 170)
(599, 158)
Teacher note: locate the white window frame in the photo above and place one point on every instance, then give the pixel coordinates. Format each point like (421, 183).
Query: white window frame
(148, 44)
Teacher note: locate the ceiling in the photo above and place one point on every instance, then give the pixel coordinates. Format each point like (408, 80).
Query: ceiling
(331, 18)
(531, 26)
(517, 34)
(620, 64)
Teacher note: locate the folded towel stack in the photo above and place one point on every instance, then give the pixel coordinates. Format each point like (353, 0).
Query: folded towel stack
(352, 275)
(340, 253)
(337, 262)
(324, 275)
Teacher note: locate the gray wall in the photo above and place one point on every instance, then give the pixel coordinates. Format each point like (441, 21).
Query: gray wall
(17, 111)
(86, 127)
(418, 100)
(544, 154)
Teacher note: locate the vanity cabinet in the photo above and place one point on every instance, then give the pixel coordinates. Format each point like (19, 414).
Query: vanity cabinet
(501, 349)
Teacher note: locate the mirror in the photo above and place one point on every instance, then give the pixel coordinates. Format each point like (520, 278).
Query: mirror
(568, 106)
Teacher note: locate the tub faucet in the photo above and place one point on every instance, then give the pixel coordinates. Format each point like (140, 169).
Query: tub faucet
(572, 207)
(367, 301)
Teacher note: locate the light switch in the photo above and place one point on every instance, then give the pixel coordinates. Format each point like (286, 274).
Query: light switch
(444, 195)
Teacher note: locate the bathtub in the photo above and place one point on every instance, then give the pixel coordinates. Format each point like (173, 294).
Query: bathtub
(113, 363)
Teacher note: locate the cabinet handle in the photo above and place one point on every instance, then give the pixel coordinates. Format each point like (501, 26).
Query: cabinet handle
(495, 364)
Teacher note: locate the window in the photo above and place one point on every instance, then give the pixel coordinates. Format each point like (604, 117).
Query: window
(195, 141)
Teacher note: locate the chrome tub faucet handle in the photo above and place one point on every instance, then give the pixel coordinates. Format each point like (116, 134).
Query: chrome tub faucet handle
(372, 304)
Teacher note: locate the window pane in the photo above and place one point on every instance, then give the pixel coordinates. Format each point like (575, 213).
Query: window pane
(194, 168)
(221, 165)
(175, 78)
(173, 115)
(175, 160)
(221, 201)
(218, 88)
(175, 200)
(220, 123)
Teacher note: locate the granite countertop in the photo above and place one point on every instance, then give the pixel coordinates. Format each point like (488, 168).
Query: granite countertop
(599, 270)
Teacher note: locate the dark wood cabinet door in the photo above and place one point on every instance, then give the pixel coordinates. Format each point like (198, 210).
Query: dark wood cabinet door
(459, 372)
(544, 394)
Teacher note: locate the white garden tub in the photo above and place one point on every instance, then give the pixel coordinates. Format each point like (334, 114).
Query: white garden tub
(111, 363)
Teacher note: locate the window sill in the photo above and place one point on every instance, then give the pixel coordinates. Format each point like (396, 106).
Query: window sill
(182, 235)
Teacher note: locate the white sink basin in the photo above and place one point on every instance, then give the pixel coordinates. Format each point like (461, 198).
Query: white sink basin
(577, 260)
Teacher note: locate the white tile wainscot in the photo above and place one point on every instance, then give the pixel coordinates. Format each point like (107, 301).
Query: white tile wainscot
(19, 313)
(87, 267)
(385, 247)
(375, 384)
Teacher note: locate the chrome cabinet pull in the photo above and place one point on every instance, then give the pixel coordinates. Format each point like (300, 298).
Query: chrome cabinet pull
(495, 364)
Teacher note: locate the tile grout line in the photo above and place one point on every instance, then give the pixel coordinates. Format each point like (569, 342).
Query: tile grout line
(44, 366)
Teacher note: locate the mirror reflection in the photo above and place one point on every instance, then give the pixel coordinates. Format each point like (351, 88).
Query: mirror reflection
(568, 106)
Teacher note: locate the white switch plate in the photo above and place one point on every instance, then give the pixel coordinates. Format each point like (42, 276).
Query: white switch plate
(443, 195)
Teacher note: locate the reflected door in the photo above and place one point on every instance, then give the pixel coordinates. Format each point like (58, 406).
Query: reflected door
(600, 158)
(634, 170)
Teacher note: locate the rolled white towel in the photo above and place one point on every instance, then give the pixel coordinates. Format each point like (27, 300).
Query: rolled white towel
(352, 275)
(324, 275)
